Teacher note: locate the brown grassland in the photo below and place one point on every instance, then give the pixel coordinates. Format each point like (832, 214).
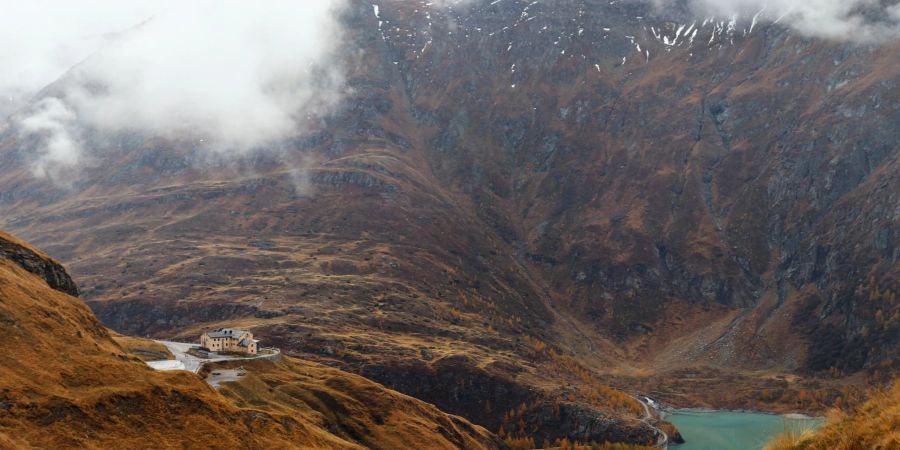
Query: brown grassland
(65, 382)
(144, 349)
(873, 425)
(351, 404)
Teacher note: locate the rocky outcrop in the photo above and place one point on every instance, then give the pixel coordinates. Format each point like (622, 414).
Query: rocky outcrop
(37, 263)
(490, 397)
(156, 318)
(457, 386)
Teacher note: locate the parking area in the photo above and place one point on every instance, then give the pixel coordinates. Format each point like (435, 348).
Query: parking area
(217, 377)
(191, 363)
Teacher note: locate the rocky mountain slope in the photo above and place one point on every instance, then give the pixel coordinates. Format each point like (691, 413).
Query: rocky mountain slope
(527, 201)
(64, 383)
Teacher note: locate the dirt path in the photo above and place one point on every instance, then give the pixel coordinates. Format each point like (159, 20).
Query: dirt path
(662, 440)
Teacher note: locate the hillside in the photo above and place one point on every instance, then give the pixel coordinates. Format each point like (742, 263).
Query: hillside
(875, 424)
(521, 205)
(65, 383)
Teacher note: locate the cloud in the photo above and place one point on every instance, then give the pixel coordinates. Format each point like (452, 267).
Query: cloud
(843, 20)
(41, 39)
(53, 122)
(237, 75)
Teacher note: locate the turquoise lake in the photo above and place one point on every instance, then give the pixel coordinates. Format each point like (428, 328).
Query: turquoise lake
(725, 430)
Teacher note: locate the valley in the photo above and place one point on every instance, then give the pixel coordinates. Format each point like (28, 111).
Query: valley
(522, 213)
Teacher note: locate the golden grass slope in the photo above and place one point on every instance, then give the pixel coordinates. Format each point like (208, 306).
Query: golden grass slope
(873, 425)
(143, 349)
(65, 383)
(16, 241)
(358, 408)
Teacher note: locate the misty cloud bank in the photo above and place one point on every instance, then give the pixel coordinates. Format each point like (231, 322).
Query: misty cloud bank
(233, 76)
(864, 21)
(41, 39)
(240, 76)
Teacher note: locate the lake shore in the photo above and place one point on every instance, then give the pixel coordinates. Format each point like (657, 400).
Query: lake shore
(708, 429)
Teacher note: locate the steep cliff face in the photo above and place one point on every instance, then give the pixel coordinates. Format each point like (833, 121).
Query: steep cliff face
(717, 170)
(527, 184)
(455, 385)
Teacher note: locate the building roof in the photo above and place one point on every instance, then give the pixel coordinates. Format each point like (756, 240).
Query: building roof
(225, 333)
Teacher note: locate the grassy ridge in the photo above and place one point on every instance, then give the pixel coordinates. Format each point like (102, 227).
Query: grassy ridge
(65, 382)
(350, 406)
(873, 425)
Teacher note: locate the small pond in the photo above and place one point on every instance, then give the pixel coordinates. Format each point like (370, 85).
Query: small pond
(728, 430)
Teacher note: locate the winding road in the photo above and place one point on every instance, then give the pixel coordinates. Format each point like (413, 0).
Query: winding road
(662, 440)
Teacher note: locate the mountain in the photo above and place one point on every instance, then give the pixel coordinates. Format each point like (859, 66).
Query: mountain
(523, 210)
(65, 383)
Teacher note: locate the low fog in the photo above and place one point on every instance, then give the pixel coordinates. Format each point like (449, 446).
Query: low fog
(233, 76)
(42, 39)
(863, 21)
(237, 77)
